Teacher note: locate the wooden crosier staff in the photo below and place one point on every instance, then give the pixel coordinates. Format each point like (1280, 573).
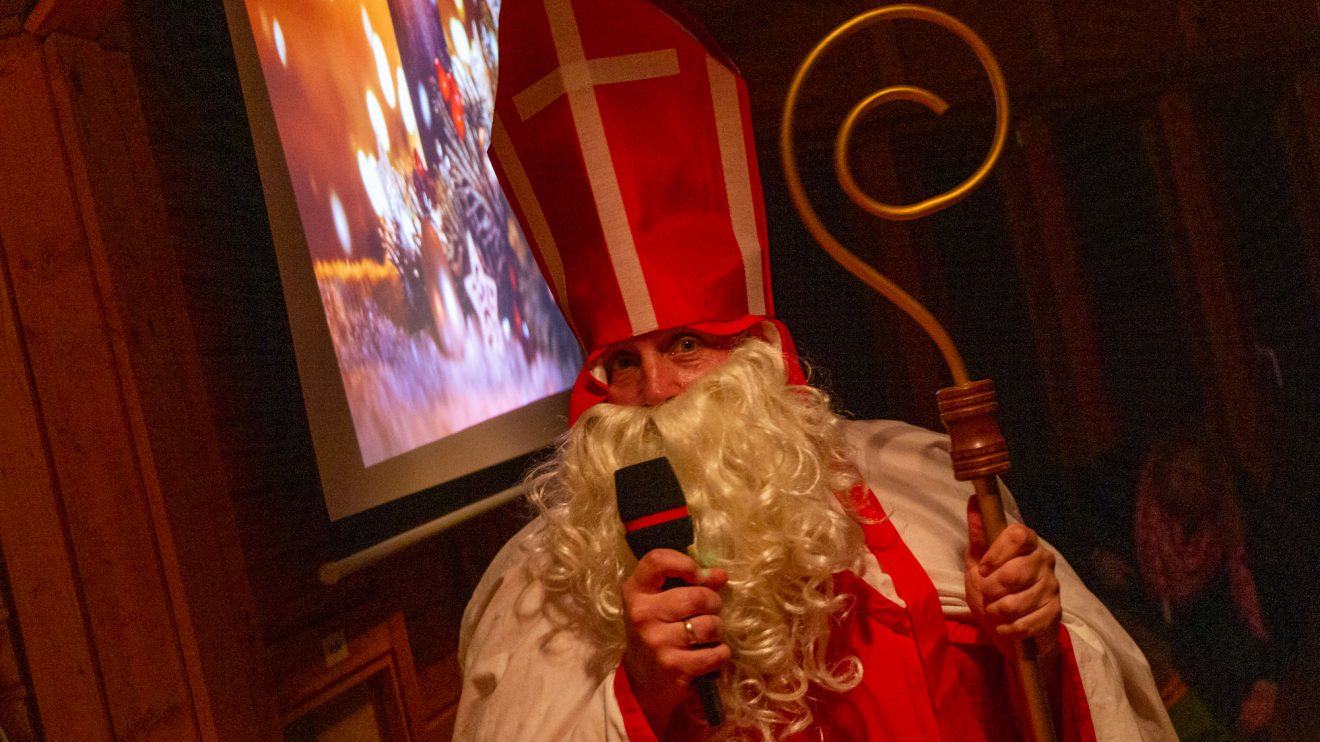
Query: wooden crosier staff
(968, 407)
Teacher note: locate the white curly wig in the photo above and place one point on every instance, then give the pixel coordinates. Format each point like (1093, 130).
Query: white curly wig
(764, 469)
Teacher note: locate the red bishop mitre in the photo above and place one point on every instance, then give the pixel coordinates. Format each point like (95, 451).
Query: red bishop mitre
(623, 141)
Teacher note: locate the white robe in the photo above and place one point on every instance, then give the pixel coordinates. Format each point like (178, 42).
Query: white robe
(523, 681)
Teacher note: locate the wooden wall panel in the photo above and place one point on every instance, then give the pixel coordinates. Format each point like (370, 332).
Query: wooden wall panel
(1225, 363)
(38, 554)
(187, 485)
(788, 32)
(1124, 248)
(61, 656)
(213, 199)
(1260, 186)
(97, 481)
(133, 470)
(905, 350)
(1067, 349)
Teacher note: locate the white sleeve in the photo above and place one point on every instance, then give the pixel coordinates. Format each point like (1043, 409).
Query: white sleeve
(908, 469)
(1120, 692)
(525, 676)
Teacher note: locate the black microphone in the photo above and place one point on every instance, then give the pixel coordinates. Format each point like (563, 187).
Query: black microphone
(655, 516)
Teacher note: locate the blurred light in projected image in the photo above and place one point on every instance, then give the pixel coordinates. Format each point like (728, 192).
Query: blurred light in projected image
(438, 315)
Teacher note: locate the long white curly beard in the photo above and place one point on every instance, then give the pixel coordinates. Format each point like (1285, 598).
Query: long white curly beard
(762, 465)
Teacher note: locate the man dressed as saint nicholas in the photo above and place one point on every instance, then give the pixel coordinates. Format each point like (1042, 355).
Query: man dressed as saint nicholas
(839, 586)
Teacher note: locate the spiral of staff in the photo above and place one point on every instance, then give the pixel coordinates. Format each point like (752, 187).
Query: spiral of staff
(802, 203)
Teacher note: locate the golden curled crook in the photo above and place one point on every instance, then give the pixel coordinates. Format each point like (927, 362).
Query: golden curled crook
(842, 255)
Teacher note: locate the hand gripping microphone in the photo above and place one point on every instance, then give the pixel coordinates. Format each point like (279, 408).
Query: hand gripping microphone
(655, 516)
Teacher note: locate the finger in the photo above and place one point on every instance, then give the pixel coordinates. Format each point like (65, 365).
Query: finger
(1011, 607)
(1016, 540)
(706, 629)
(648, 611)
(1037, 623)
(693, 663)
(657, 564)
(715, 578)
(1019, 574)
(685, 602)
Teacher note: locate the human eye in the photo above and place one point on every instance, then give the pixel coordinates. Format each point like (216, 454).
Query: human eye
(619, 364)
(686, 345)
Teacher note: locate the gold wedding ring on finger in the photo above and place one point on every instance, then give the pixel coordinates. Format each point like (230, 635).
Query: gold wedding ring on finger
(691, 633)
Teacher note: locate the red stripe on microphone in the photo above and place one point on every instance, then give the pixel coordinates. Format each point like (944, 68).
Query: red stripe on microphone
(664, 516)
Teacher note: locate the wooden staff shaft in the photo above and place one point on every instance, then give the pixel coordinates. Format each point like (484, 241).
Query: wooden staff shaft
(1028, 667)
(980, 455)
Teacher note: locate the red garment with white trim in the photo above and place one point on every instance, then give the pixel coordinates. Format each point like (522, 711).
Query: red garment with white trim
(924, 677)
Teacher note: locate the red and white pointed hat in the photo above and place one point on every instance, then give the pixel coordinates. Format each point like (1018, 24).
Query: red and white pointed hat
(623, 141)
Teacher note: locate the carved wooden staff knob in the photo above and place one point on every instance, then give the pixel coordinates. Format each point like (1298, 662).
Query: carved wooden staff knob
(969, 414)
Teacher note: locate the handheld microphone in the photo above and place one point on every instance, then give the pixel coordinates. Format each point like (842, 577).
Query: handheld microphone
(655, 516)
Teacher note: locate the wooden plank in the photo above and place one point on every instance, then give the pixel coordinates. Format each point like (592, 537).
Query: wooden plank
(1036, 201)
(86, 19)
(191, 481)
(98, 471)
(1203, 269)
(405, 672)
(140, 288)
(35, 207)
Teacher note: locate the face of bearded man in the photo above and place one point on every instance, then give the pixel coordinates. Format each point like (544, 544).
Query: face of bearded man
(763, 469)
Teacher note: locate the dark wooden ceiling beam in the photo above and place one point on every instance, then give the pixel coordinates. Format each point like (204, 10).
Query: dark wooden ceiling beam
(87, 19)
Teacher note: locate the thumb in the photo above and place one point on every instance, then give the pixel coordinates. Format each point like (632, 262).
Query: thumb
(976, 545)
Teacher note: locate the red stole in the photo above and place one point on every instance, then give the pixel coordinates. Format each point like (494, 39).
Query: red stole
(912, 683)
(925, 678)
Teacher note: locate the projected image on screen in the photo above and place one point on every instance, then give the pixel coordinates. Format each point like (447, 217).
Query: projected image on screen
(437, 313)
